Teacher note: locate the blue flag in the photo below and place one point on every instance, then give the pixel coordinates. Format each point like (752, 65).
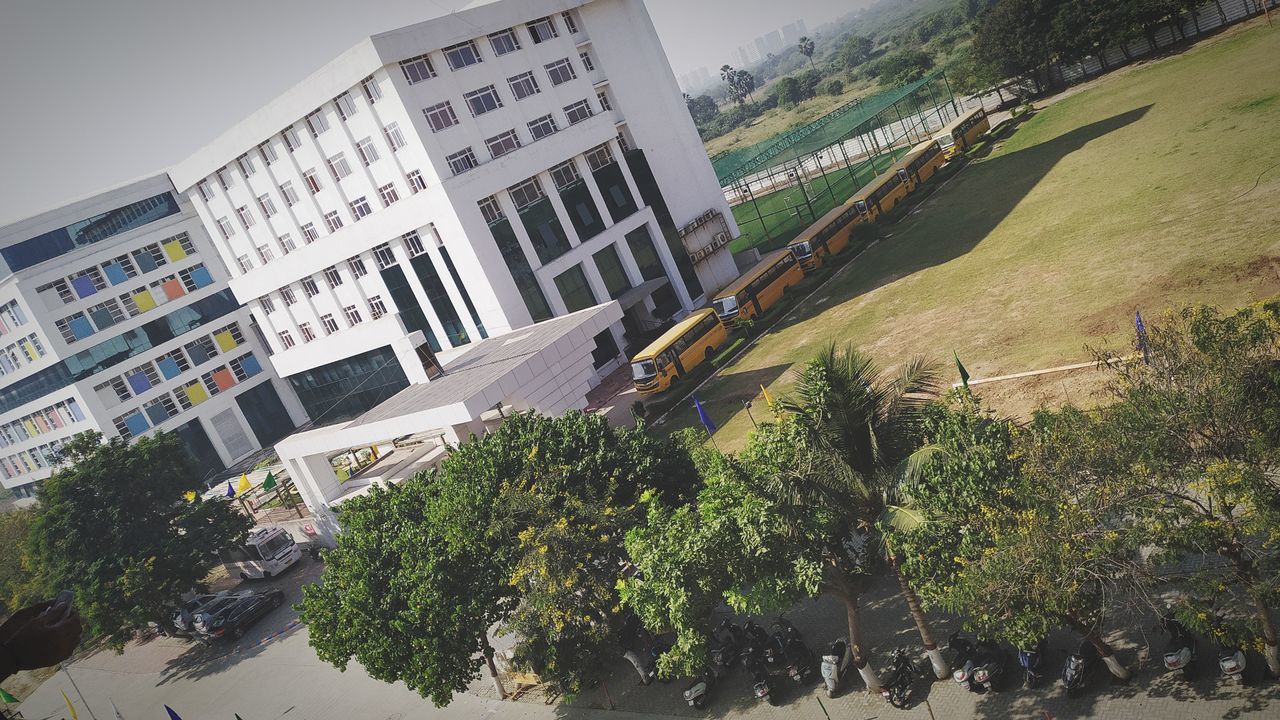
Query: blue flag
(706, 419)
(230, 490)
(172, 715)
(1143, 344)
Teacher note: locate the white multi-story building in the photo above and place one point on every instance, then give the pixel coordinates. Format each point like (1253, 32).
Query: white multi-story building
(115, 316)
(459, 178)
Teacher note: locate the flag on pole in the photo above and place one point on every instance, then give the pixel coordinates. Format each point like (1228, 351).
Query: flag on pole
(964, 374)
(6, 697)
(1143, 343)
(71, 709)
(172, 715)
(115, 709)
(230, 490)
(706, 419)
(768, 400)
(244, 485)
(270, 482)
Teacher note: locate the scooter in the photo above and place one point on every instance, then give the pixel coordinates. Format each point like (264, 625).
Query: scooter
(835, 662)
(991, 664)
(761, 683)
(696, 694)
(1181, 650)
(799, 661)
(1032, 662)
(785, 647)
(965, 662)
(1231, 662)
(728, 647)
(896, 689)
(643, 653)
(1075, 673)
(754, 635)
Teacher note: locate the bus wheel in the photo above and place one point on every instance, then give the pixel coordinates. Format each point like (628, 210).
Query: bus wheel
(709, 354)
(244, 576)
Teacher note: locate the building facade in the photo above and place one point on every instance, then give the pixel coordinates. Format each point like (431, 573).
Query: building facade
(459, 178)
(115, 316)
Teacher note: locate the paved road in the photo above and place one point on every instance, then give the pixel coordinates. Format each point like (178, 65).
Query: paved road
(266, 677)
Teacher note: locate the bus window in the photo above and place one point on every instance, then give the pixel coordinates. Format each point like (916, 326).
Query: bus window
(802, 249)
(902, 174)
(272, 547)
(726, 306)
(862, 206)
(644, 370)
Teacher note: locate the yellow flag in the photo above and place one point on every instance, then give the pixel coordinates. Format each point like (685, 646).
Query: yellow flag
(244, 485)
(767, 399)
(71, 709)
(190, 495)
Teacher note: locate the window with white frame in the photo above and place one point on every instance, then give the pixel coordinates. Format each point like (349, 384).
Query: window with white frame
(205, 192)
(328, 324)
(245, 163)
(268, 152)
(440, 116)
(309, 287)
(570, 23)
(376, 307)
(542, 30)
(225, 228)
(565, 174)
(395, 138)
(587, 63)
(304, 329)
(603, 97)
(491, 210)
(267, 304)
(462, 55)
(292, 140)
(287, 297)
(288, 193)
(309, 233)
(356, 265)
(599, 156)
(578, 112)
(368, 151)
(317, 123)
(413, 243)
(504, 41)
(502, 144)
(338, 166)
(266, 205)
(244, 263)
(312, 180)
(346, 105)
(383, 256)
(286, 339)
(415, 180)
(225, 178)
(352, 314)
(523, 85)
(462, 161)
(286, 243)
(484, 100)
(372, 92)
(417, 69)
(264, 254)
(332, 276)
(246, 217)
(561, 71)
(360, 208)
(333, 221)
(526, 193)
(388, 194)
(542, 127)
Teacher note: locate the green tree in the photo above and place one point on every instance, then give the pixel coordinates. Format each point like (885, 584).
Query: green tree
(901, 66)
(789, 92)
(19, 584)
(856, 51)
(1013, 38)
(806, 48)
(112, 525)
(522, 528)
(702, 109)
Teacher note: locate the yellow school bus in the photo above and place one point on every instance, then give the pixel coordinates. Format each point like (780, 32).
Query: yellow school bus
(960, 134)
(879, 196)
(918, 165)
(756, 291)
(826, 237)
(678, 351)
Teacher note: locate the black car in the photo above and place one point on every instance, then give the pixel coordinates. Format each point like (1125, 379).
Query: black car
(230, 620)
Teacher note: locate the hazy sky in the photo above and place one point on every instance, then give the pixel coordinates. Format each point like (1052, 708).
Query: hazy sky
(99, 92)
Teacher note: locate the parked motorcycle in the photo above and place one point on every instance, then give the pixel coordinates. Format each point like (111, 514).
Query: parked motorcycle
(965, 660)
(1032, 663)
(729, 643)
(1075, 673)
(1181, 650)
(696, 694)
(896, 688)
(761, 682)
(992, 662)
(835, 662)
(642, 651)
(755, 635)
(1231, 661)
(786, 650)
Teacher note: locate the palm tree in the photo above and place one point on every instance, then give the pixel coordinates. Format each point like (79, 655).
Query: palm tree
(806, 49)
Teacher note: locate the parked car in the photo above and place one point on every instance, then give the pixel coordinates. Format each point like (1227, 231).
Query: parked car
(230, 617)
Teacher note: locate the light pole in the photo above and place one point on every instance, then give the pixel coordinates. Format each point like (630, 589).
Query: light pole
(746, 404)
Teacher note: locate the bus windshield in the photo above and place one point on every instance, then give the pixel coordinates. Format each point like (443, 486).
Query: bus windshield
(802, 249)
(643, 370)
(726, 306)
(946, 141)
(271, 547)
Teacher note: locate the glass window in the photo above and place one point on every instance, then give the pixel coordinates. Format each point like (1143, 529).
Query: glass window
(377, 308)
(331, 276)
(439, 299)
(288, 193)
(500, 145)
(333, 221)
(585, 57)
(417, 69)
(462, 55)
(372, 92)
(645, 253)
(574, 289)
(54, 243)
(225, 179)
(569, 23)
(491, 210)
(205, 192)
(561, 71)
(542, 127)
(312, 180)
(360, 208)
(440, 116)
(287, 296)
(246, 217)
(357, 267)
(352, 314)
(264, 254)
(565, 174)
(578, 112)
(609, 263)
(504, 41)
(526, 193)
(413, 243)
(521, 274)
(304, 329)
(387, 194)
(395, 138)
(483, 100)
(329, 325)
(605, 103)
(292, 139)
(542, 30)
(367, 152)
(523, 85)
(338, 166)
(309, 233)
(266, 205)
(462, 161)
(415, 180)
(309, 287)
(317, 123)
(347, 388)
(245, 163)
(346, 106)
(383, 256)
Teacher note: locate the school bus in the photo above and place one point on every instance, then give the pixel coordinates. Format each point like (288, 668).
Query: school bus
(879, 196)
(678, 351)
(759, 288)
(960, 134)
(826, 237)
(918, 165)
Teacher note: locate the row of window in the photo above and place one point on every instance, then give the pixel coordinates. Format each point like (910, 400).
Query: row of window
(44, 420)
(153, 412)
(505, 142)
(97, 318)
(467, 53)
(11, 317)
(29, 461)
(117, 271)
(530, 191)
(169, 366)
(63, 240)
(441, 116)
(23, 352)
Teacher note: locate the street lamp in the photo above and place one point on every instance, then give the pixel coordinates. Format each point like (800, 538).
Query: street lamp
(746, 404)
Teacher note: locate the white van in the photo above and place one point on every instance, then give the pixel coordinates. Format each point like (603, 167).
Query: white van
(266, 553)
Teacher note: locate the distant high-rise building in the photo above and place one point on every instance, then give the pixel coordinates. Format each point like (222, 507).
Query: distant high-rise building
(702, 78)
(744, 55)
(761, 48)
(773, 41)
(790, 34)
(800, 27)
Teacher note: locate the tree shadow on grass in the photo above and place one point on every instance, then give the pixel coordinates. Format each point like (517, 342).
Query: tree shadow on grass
(976, 202)
(732, 389)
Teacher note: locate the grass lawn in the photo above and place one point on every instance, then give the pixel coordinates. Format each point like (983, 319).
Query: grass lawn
(1159, 186)
(779, 120)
